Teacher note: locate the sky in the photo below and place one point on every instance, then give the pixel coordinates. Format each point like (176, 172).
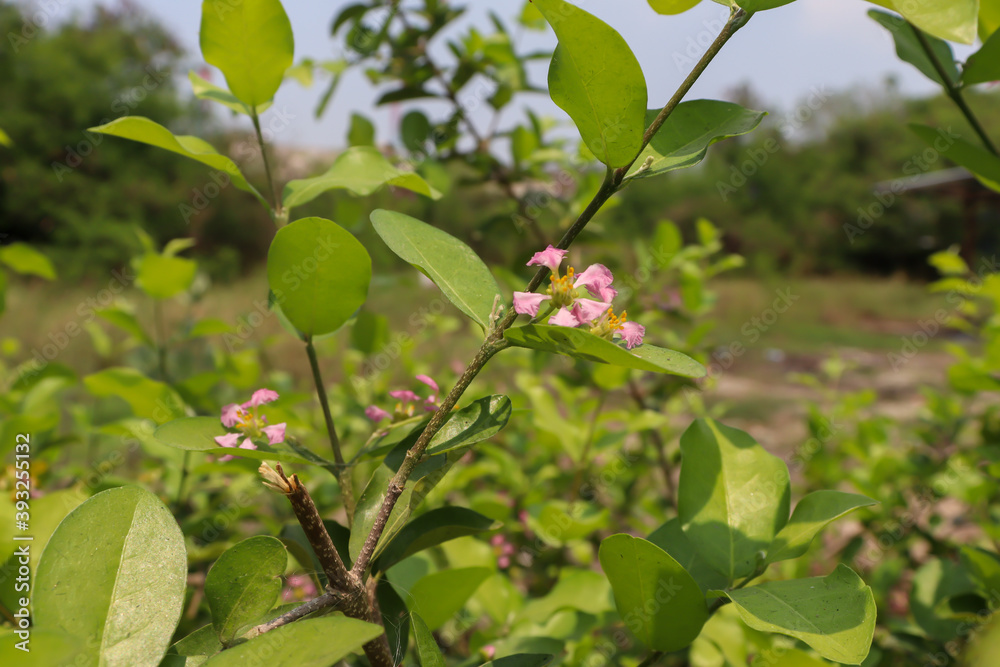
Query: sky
(787, 54)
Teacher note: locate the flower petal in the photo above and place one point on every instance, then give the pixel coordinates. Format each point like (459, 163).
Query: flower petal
(564, 318)
(632, 333)
(550, 257)
(275, 434)
(231, 414)
(261, 396)
(227, 440)
(405, 395)
(607, 294)
(595, 278)
(247, 444)
(527, 303)
(376, 414)
(427, 380)
(588, 310)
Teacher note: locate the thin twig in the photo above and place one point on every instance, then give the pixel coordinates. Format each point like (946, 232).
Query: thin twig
(587, 445)
(343, 472)
(272, 185)
(327, 599)
(953, 90)
(651, 659)
(658, 444)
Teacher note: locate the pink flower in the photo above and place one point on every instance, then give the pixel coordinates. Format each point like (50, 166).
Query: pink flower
(427, 380)
(550, 258)
(588, 310)
(408, 400)
(632, 333)
(564, 318)
(300, 587)
(375, 413)
(595, 278)
(527, 303)
(249, 424)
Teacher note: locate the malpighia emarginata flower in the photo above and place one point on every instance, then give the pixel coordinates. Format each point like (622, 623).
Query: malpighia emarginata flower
(407, 402)
(573, 310)
(249, 424)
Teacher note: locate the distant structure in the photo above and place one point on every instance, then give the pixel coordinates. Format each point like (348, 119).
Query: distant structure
(957, 183)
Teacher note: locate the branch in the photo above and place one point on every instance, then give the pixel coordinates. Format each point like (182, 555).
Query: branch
(327, 599)
(495, 341)
(278, 212)
(953, 91)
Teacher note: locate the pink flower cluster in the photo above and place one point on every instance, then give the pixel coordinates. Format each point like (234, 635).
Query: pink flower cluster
(248, 424)
(300, 587)
(571, 309)
(503, 549)
(408, 400)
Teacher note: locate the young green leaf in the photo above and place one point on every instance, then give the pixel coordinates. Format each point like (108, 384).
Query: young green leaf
(251, 42)
(761, 5)
(113, 575)
(313, 642)
(953, 20)
(319, 273)
(430, 529)
(835, 615)
(595, 78)
(685, 137)
(733, 496)
(656, 597)
(206, 90)
(474, 423)
(24, 259)
(244, 584)
(146, 131)
(163, 276)
(427, 648)
(583, 590)
(453, 266)
(361, 132)
(361, 170)
(983, 66)
(909, 49)
(581, 344)
(983, 164)
(672, 6)
(439, 596)
(148, 399)
(813, 513)
(195, 649)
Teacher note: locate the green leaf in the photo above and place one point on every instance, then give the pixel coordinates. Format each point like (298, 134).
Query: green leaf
(196, 434)
(146, 131)
(983, 568)
(361, 170)
(427, 648)
(251, 42)
(671, 538)
(813, 513)
(672, 6)
(835, 615)
(148, 399)
(481, 420)
(733, 496)
(761, 5)
(908, 48)
(206, 90)
(953, 20)
(583, 590)
(656, 597)
(685, 137)
(595, 78)
(45, 649)
(313, 642)
(521, 660)
(196, 648)
(430, 529)
(24, 259)
(319, 274)
(415, 130)
(452, 265)
(162, 277)
(933, 584)
(113, 575)
(581, 344)
(983, 66)
(361, 132)
(5, 139)
(439, 596)
(126, 322)
(244, 584)
(983, 164)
